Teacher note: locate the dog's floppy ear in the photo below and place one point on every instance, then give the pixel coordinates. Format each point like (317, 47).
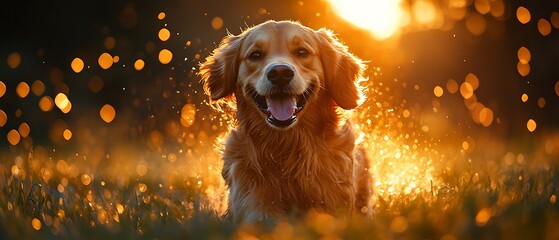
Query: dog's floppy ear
(219, 71)
(342, 70)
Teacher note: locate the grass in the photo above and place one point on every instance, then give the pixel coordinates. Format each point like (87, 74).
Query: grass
(511, 203)
(100, 210)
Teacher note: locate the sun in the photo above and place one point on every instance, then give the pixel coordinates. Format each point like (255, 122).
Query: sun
(382, 18)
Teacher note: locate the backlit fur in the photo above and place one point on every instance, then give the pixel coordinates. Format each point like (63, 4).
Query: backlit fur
(312, 164)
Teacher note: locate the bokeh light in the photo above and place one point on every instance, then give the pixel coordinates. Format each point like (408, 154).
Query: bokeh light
(139, 64)
(105, 61)
(14, 59)
(524, 55)
(498, 9)
(62, 166)
(67, 108)
(523, 69)
(46, 104)
(486, 116)
(67, 134)
(541, 102)
(86, 179)
(62, 101)
(457, 9)
(472, 80)
(466, 90)
(107, 113)
(438, 91)
(38, 88)
(523, 15)
(16, 172)
(483, 216)
(531, 125)
(452, 86)
(544, 27)
(110, 43)
(22, 89)
(164, 34)
(77, 65)
(475, 23)
(142, 168)
(3, 118)
(165, 56)
(142, 187)
(36, 223)
(482, 6)
(188, 114)
(217, 23)
(524, 97)
(13, 137)
(2, 89)
(406, 113)
(24, 130)
(555, 20)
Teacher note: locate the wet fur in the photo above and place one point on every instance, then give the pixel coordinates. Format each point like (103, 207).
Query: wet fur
(314, 164)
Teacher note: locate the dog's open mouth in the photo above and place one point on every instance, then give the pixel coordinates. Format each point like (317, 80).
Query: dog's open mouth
(281, 108)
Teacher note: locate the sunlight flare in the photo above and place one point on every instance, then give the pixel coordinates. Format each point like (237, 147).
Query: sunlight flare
(382, 18)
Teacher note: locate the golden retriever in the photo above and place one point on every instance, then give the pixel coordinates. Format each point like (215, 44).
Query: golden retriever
(292, 149)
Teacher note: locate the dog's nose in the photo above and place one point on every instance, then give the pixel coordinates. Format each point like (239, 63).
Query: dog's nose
(280, 74)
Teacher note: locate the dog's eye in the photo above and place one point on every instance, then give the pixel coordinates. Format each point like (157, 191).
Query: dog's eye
(302, 52)
(256, 55)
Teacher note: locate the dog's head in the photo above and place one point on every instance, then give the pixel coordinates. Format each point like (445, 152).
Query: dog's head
(280, 67)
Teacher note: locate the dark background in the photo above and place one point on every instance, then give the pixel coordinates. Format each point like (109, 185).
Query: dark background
(50, 34)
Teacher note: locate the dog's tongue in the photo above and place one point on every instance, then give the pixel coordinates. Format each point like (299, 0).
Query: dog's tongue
(282, 108)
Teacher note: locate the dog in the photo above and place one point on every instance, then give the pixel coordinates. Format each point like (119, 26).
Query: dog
(293, 148)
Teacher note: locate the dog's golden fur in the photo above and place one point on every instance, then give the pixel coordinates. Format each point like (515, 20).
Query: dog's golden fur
(271, 169)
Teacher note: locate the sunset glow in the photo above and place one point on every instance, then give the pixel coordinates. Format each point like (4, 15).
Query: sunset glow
(109, 132)
(382, 18)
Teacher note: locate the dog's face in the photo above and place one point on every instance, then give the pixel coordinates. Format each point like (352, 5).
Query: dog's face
(280, 67)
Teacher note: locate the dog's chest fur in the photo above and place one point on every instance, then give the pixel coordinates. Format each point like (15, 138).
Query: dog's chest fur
(288, 171)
